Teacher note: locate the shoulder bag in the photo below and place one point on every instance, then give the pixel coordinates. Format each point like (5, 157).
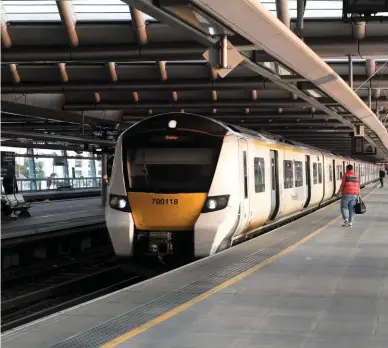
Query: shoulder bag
(360, 207)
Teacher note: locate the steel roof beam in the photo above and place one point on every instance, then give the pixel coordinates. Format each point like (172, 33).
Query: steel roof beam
(242, 117)
(50, 114)
(107, 53)
(337, 47)
(204, 104)
(56, 137)
(13, 143)
(259, 103)
(249, 83)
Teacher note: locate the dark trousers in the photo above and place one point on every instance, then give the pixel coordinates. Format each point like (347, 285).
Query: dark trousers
(382, 182)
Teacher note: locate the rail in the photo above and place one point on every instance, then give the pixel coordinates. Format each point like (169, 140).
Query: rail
(24, 301)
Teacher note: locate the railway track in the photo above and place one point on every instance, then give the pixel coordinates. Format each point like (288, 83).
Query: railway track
(23, 301)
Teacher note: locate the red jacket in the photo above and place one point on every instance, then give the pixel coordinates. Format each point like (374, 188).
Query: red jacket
(351, 183)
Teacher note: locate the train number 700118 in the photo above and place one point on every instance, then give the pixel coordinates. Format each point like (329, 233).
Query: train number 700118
(165, 201)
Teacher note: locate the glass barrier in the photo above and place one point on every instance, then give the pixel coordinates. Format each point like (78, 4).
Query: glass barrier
(49, 184)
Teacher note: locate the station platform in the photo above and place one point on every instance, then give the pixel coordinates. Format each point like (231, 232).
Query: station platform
(310, 284)
(53, 216)
(60, 194)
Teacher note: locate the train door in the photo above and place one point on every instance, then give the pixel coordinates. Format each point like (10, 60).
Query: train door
(308, 182)
(334, 179)
(275, 197)
(245, 213)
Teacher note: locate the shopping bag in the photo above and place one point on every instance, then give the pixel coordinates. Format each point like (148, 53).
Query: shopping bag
(360, 207)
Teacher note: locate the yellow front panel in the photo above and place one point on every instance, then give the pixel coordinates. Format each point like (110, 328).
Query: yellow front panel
(167, 212)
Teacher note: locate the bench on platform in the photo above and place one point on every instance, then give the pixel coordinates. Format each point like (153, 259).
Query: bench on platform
(14, 205)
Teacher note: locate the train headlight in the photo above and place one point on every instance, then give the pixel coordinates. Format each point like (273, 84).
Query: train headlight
(211, 204)
(215, 203)
(119, 203)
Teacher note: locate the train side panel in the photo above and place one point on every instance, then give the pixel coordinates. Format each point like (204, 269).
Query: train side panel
(120, 224)
(213, 228)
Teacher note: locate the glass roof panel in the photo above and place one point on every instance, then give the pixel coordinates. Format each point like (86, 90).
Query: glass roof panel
(32, 10)
(85, 10)
(314, 8)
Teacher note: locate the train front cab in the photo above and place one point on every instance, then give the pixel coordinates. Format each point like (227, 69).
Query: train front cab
(178, 185)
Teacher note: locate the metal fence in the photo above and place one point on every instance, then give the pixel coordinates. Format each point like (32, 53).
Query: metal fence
(32, 185)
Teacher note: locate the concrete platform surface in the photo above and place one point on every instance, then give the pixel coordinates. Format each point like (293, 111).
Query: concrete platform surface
(55, 215)
(310, 284)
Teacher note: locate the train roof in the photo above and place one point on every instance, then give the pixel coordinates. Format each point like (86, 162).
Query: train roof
(221, 128)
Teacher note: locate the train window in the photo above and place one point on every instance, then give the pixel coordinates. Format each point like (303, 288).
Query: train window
(339, 172)
(288, 174)
(259, 174)
(273, 172)
(320, 173)
(330, 172)
(298, 173)
(315, 174)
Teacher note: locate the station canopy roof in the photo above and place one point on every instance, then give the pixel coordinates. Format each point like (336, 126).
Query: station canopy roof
(73, 68)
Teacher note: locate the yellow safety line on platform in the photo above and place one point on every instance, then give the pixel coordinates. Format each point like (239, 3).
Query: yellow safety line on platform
(208, 293)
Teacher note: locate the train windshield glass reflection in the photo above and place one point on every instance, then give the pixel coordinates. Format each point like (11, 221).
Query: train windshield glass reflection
(171, 169)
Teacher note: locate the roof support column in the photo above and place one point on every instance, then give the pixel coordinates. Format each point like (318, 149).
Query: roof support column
(224, 52)
(66, 11)
(63, 72)
(282, 12)
(5, 38)
(112, 71)
(14, 71)
(370, 67)
(300, 5)
(350, 60)
(162, 70)
(139, 25)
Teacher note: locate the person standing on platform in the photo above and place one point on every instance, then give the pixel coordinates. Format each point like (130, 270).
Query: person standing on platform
(382, 176)
(350, 190)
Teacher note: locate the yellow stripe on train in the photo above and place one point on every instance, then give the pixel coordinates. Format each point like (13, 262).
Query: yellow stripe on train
(171, 212)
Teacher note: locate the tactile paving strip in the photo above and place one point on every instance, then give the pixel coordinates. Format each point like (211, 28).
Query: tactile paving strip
(118, 326)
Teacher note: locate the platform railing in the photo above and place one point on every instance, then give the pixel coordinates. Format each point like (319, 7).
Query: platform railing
(34, 185)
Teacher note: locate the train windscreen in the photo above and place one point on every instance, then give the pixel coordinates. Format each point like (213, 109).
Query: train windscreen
(180, 161)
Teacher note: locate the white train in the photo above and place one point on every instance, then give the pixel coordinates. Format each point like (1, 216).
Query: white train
(187, 185)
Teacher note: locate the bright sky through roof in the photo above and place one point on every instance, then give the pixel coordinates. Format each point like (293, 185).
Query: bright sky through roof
(116, 10)
(110, 10)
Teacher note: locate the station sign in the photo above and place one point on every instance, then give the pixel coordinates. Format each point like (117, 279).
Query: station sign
(59, 161)
(7, 164)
